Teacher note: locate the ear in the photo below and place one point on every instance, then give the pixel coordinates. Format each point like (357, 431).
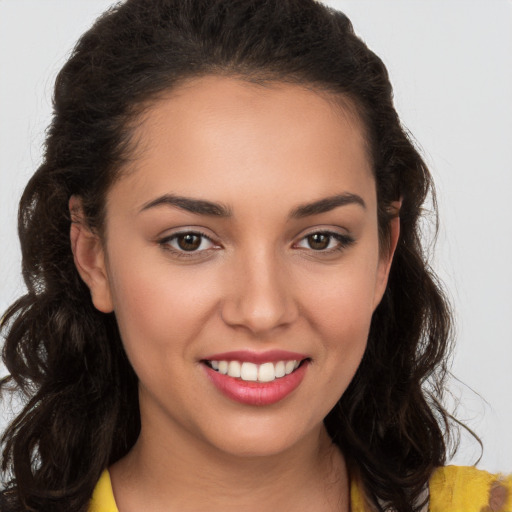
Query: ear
(387, 253)
(89, 257)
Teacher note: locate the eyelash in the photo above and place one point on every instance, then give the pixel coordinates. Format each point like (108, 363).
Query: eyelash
(344, 241)
(165, 243)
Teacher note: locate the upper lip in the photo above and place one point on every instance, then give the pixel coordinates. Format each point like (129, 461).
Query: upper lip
(250, 356)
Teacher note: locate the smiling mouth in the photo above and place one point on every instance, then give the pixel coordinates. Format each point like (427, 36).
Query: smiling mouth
(252, 372)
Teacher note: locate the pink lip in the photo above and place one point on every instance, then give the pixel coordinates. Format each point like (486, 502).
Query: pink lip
(256, 393)
(270, 356)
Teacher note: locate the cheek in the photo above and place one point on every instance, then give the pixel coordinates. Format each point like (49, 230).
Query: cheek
(342, 300)
(344, 324)
(340, 309)
(341, 322)
(159, 308)
(347, 309)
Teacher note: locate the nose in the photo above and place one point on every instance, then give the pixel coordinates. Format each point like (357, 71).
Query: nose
(260, 294)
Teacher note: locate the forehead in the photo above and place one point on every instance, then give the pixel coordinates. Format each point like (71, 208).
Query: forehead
(227, 137)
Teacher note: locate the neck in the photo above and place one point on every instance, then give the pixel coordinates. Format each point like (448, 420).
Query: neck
(182, 475)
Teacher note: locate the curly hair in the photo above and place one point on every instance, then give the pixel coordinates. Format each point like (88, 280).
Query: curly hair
(66, 358)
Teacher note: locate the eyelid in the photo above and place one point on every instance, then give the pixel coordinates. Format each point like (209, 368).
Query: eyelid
(164, 242)
(345, 240)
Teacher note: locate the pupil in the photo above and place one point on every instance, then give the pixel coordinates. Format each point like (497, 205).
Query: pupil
(189, 242)
(318, 241)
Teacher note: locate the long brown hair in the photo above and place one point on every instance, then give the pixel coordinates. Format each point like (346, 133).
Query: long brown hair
(66, 358)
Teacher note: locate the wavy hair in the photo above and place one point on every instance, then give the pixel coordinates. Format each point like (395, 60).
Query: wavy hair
(66, 359)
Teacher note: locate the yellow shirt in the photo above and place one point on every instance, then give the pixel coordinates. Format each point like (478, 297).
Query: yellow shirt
(452, 489)
(103, 497)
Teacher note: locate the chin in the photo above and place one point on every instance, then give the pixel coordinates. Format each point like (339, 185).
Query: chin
(266, 440)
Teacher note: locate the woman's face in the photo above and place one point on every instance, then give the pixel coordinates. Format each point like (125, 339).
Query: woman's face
(243, 239)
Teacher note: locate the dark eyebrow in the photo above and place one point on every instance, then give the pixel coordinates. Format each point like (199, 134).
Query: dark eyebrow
(327, 204)
(197, 206)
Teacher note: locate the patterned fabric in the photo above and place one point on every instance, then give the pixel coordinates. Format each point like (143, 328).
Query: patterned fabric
(467, 489)
(452, 489)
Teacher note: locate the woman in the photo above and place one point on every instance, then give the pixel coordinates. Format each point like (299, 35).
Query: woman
(228, 305)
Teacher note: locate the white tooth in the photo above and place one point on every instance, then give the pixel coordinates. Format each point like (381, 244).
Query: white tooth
(249, 371)
(234, 369)
(279, 370)
(223, 367)
(215, 364)
(289, 367)
(266, 372)
(296, 365)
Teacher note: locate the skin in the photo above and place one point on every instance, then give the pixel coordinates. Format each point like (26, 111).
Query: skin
(256, 284)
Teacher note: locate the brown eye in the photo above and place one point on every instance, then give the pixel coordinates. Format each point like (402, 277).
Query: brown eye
(319, 241)
(325, 241)
(189, 241)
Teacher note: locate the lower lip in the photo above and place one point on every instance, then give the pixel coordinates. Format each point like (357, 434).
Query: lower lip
(257, 393)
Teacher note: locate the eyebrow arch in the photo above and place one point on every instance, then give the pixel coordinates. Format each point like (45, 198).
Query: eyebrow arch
(197, 206)
(327, 204)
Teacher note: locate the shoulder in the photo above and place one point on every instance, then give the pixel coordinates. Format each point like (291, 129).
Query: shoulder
(452, 489)
(455, 489)
(467, 488)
